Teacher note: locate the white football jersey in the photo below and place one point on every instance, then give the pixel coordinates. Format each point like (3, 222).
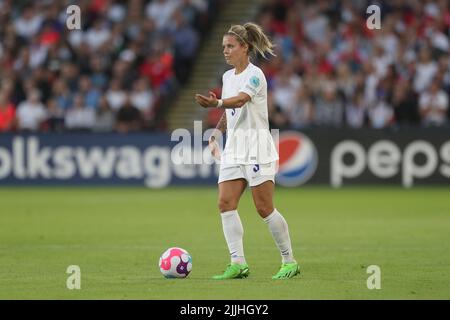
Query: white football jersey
(248, 137)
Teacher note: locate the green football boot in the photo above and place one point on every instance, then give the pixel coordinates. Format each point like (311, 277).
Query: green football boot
(287, 271)
(234, 271)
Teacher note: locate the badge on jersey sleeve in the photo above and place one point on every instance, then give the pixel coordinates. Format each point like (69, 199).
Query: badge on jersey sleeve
(253, 84)
(254, 81)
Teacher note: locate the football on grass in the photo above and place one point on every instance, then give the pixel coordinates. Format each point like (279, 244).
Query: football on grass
(175, 263)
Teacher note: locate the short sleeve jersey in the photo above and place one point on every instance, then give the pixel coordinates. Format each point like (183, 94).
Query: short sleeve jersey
(248, 137)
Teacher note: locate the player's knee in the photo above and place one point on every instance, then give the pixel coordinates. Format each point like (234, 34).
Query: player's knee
(227, 204)
(264, 210)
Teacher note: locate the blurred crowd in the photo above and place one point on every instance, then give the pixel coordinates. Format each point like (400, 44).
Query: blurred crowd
(117, 73)
(121, 70)
(332, 70)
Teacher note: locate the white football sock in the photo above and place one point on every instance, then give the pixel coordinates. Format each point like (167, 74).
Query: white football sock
(280, 233)
(234, 232)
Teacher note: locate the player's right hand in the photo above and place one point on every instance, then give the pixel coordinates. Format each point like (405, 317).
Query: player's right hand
(207, 102)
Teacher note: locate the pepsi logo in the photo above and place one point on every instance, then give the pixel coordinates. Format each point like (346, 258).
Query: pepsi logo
(298, 159)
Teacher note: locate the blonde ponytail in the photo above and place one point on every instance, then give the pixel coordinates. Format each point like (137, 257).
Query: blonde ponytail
(252, 35)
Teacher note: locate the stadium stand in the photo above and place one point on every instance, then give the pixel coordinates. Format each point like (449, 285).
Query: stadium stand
(120, 72)
(331, 70)
(135, 65)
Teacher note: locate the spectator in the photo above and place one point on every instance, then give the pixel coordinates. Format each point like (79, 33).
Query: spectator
(425, 70)
(143, 98)
(98, 35)
(62, 94)
(22, 65)
(106, 119)
(31, 113)
(98, 76)
(405, 104)
(355, 111)
(80, 117)
(286, 86)
(38, 53)
(91, 94)
(27, 26)
(316, 25)
(116, 12)
(444, 72)
(158, 69)
(186, 41)
(381, 115)
(129, 118)
(345, 80)
(277, 118)
(370, 85)
(328, 110)
(433, 105)
(55, 119)
(116, 95)
(300, 114)
(161, 12)
(381, 62)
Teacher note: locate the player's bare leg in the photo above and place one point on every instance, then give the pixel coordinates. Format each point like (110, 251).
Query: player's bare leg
(230, 193)
(263, 198)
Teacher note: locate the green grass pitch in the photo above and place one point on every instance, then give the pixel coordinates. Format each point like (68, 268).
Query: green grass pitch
(116, 235)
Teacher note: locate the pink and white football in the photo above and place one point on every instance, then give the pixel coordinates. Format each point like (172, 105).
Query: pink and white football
(175, 263)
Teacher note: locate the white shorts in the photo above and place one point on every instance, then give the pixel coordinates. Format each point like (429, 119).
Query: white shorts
(255, 174)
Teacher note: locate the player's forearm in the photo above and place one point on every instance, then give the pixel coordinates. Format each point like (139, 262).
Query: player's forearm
(234, 102)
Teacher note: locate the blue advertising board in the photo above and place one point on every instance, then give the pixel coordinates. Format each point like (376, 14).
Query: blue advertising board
(406, 157)
(98, 159)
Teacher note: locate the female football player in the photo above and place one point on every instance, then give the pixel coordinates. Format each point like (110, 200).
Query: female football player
(250, 155)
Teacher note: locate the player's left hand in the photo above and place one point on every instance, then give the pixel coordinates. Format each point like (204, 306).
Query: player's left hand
(207, 102)
(213, 145)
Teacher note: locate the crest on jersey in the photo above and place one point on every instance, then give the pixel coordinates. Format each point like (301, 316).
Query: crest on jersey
(254, 81)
